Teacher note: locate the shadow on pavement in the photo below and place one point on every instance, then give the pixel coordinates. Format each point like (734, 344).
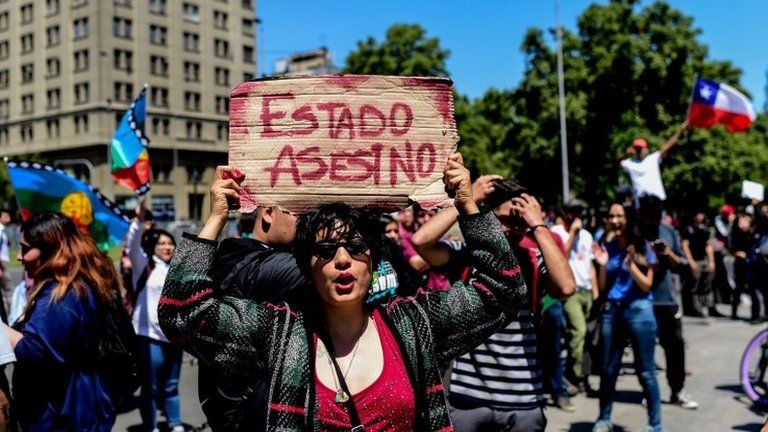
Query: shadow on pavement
(587, 427)
(751, 427)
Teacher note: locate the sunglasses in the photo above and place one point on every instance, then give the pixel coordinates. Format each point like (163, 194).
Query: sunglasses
(326, 250)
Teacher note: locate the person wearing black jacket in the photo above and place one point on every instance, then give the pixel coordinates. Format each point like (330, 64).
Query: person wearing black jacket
(260, 268)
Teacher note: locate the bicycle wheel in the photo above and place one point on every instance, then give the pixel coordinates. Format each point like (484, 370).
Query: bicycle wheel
(754, 365)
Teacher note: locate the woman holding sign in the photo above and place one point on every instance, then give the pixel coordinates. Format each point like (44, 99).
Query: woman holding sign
(335, 363)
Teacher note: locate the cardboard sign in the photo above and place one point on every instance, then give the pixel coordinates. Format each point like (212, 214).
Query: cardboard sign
(368, 141)
(752, 190)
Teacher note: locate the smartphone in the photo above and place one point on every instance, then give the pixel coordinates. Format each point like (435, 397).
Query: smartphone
(659, 244)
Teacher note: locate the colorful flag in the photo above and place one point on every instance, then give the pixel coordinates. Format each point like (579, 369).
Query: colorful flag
(130, 159)
(42, 188)
(716, 103)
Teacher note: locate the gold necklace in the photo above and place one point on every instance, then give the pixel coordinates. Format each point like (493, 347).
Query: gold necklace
(341, 395)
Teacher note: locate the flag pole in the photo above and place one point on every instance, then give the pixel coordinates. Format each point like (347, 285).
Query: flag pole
(561, 102)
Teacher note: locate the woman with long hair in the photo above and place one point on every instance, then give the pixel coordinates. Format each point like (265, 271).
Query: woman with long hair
(150, 253)
(625, 270)
(335, 363)
(57, 384)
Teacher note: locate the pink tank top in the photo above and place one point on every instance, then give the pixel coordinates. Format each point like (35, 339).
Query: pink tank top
(388, 404)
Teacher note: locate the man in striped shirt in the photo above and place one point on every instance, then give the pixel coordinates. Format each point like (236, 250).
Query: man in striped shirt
(498, 385)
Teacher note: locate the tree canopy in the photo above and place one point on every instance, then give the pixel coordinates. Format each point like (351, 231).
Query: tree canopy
(629, 72)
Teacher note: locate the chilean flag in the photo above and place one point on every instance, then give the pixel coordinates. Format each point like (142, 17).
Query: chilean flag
(715, 103)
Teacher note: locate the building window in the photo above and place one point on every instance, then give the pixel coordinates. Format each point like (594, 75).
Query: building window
(81, 60)
(4, 21)
(27, 43)
(121, 27)
(157, 6)
(191, 42)
(222, 104)
(27, 103)
(248, 54)
(194, 129)
(159, 96)
(53, 98)
(220, 20)
(190, 12)
(4, 50)
(81, 93)
(247, 76)
(123, 60)
(124, 3)
(191, 72)
(248, 4)
(158, 35)
(3, 135)
(26, 131)
(123, 92)
(27, 14)
(5, 108)
(81, 123)
(248, 28)
(221, 48)
(192, 101)
(27, 73)
(161, 126)
(158, 65)
(51, 7)
(222, 131)
(53, 36)
(222, 76)
(53, 128)
(80, 28)
(79, 3)
(5, 76)
(52, 67)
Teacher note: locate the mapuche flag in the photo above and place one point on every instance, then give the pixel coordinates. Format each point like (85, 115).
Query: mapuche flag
(42, 188)
(130, 159)
(716, 103)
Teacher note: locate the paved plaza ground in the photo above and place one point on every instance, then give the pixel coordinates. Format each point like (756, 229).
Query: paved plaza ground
(714, 352)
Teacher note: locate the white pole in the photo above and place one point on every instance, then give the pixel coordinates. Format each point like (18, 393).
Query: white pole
(561, 100)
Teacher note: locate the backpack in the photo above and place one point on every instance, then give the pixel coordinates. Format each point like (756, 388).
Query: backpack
(116, 353)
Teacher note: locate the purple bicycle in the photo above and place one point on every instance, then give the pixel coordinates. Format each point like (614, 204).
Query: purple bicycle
(752, 372)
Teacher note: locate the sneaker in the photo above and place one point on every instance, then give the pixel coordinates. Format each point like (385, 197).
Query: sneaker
(684, 399)
(648, 428)
(178, 428)
(155, 430)
(602, 426)
(565, 404)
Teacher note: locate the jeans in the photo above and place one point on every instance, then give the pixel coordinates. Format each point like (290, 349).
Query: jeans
(670, 331)
(550, 349)
(634, 321)
(577, 309)
(160, 367)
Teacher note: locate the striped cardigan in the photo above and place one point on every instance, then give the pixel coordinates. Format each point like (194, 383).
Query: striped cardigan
(243, 337)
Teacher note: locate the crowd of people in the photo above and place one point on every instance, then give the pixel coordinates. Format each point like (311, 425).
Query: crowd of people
(469, 318)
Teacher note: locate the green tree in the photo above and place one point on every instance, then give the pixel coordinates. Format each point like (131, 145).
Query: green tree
(628, 73)
(406, 51)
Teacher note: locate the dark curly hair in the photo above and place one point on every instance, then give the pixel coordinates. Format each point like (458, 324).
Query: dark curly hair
(335, 218)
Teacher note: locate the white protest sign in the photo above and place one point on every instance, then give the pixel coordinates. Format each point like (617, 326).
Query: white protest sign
(752, 190)
(369, 141)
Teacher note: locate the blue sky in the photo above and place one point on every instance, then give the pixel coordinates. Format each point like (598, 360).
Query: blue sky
(484, 36)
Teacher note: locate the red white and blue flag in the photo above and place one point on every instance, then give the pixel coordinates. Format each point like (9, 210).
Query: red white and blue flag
(716, 103)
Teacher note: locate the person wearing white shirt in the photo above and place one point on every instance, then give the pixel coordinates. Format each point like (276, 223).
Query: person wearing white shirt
(5, 285)
(150, 253)
(579, 249)
(643, 168)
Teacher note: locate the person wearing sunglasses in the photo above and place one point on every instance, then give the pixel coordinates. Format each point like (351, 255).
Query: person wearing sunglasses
(335, 363)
